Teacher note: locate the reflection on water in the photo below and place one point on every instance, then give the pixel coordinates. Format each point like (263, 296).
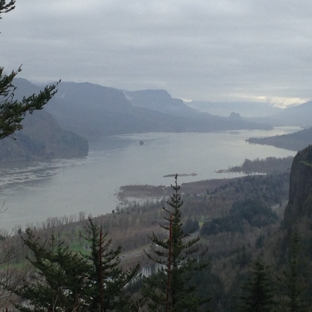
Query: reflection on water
(65, 187)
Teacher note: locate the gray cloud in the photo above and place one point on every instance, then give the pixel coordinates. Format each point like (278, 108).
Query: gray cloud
(207, 50)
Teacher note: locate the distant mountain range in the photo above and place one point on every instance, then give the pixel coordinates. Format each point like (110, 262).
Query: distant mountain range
(299, 115)
(41, 137)
(91, 111)
(245, 109)
(160, 101)
(94, 111)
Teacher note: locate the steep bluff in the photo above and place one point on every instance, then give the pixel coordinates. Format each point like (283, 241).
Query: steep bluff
(41, 139)
(299, 208)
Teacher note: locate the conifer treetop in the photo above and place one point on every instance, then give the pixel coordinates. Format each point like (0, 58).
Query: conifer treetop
(176, 258)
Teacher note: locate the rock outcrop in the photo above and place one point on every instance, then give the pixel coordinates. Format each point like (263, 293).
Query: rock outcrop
(41, 139)
(299, 209)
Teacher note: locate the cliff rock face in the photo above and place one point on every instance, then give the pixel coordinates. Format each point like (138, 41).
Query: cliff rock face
(299, 208)
(41, 139)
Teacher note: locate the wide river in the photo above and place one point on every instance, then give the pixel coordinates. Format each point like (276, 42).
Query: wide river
(66, 187)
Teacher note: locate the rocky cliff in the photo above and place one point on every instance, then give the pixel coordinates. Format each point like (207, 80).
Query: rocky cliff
(41, 139)
(299, 208)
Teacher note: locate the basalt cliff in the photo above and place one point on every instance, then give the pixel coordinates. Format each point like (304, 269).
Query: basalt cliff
(299, 209)
(41, 139)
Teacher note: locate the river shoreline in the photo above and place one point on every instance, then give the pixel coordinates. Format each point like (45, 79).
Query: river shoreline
(139, 192)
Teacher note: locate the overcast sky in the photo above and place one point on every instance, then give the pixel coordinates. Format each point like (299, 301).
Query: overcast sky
(214, 50)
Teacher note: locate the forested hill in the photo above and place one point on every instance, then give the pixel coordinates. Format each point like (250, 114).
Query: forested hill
(294, 141)
(94, 111)
(41, 137)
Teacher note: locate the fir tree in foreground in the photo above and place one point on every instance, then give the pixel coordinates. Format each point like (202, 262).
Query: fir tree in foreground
(177, 258)
(107, 279)
(59, 281)
(294, 279)
(6, 7)
(67, 281)
(258, 290)
(12, 111)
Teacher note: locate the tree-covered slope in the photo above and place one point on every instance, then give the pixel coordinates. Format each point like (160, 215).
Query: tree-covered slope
(294, 141)
(41, 139)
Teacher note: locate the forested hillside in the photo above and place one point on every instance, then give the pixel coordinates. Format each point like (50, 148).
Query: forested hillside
(294, 141)
(233, 218)
(240, 220)
(41, 139)
(222, 245)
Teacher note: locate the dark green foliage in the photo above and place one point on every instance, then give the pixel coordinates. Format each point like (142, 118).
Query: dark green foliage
(6, 7)
(12, 112)
(209, 285)
(190, 226)
(267, 165)
(243, 257)
(66, 281)
(60, 279)
(106, 270)
(258, 290)
(260, 241)
(256, 213)
(293, 281)
(232, 223)
(177, 258)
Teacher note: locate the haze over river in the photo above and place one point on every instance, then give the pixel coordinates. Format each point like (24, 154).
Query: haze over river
(66, 187)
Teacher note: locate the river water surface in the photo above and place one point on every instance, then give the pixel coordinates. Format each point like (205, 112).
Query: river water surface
(64, 187)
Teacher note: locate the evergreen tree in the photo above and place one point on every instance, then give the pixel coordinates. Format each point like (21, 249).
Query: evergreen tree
(170, 288)
(292, 280)
(12, 111)
(60, 280)
(107, 278)
(258, 292)
(67, 281)
(6, 7)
